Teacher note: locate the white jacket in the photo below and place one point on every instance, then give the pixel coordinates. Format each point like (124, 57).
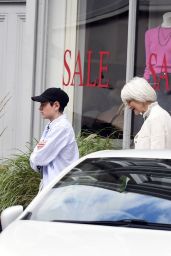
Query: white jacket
(155, 132)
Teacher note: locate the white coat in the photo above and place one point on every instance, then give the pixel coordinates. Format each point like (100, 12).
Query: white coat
(155, 132)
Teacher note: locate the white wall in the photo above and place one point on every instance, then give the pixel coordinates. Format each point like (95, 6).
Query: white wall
(55, 42)
(12, 83)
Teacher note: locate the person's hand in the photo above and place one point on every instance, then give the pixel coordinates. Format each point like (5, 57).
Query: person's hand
(41, 144)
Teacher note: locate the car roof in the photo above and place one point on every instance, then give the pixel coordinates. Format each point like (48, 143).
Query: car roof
(132, 153)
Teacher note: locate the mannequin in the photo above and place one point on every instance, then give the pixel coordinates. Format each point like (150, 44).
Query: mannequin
(166, 20)
(158, 60)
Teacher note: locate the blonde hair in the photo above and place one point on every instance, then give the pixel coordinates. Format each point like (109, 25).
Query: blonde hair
(138, 89)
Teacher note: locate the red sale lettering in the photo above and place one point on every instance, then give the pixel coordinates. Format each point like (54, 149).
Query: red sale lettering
(164, 74)
(76, 78)
(67, 67)
(101, 69)
(156, 84)
(79, 72)
(89, 70)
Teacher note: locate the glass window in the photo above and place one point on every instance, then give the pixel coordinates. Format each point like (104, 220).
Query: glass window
(153, 50)
(102, 28)
(110, 189)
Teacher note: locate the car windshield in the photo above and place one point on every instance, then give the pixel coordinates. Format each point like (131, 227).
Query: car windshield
(110, 190)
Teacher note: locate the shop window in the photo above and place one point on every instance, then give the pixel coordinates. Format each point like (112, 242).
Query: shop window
(100, 66)
(153, 50)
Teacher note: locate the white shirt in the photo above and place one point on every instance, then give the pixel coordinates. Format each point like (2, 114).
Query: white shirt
(155, 132)
(59, 151)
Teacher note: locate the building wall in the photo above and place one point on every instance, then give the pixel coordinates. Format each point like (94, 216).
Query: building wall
(85, 29)
(14, 97)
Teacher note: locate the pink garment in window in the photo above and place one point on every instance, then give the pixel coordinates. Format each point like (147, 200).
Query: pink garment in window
(157, 45)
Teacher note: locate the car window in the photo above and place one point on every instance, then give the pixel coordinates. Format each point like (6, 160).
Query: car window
(110, 189)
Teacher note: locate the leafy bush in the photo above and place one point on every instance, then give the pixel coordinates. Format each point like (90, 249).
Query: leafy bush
(19, 183)
(94, 142)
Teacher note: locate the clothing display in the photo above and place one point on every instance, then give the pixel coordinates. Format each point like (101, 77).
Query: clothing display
(163, 95)
(158, 60)
(155, 132)
(158, 51)
(59, 151)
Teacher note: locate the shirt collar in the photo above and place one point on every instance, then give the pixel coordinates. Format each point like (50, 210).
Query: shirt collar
(147, 113)
(58, 119)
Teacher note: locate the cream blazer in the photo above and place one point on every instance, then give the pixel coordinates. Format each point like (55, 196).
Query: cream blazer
(155, 132)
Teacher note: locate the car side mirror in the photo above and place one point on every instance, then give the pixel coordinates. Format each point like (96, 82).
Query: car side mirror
(10, 214)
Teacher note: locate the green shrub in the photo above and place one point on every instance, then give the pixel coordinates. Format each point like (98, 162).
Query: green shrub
(19, 183)
(94, 142)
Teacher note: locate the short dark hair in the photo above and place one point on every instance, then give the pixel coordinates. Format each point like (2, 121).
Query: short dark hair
(61, 109)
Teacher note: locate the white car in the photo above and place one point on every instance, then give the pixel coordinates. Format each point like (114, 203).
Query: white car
(108, 203)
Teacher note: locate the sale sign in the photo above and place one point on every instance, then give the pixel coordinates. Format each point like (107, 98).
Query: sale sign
(163, 72)
(71, 76)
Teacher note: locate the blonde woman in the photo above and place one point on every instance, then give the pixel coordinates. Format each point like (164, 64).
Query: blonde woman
(155, 132)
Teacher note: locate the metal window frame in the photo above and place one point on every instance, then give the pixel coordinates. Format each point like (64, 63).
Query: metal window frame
(12, 1)
(129, 68)
(36, 45)
(40, 61)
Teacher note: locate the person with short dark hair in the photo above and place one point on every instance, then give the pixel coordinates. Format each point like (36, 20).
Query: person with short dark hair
(57, 147)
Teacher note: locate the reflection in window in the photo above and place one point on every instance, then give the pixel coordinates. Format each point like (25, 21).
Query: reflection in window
(153, 49)
(103, 50)
(110, 189)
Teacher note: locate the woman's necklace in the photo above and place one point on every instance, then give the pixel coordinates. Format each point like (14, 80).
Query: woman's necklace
(165, 39)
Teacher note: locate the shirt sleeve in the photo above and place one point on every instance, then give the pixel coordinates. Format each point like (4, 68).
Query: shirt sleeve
(158, 135)
(56, 140)
(33, 166)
